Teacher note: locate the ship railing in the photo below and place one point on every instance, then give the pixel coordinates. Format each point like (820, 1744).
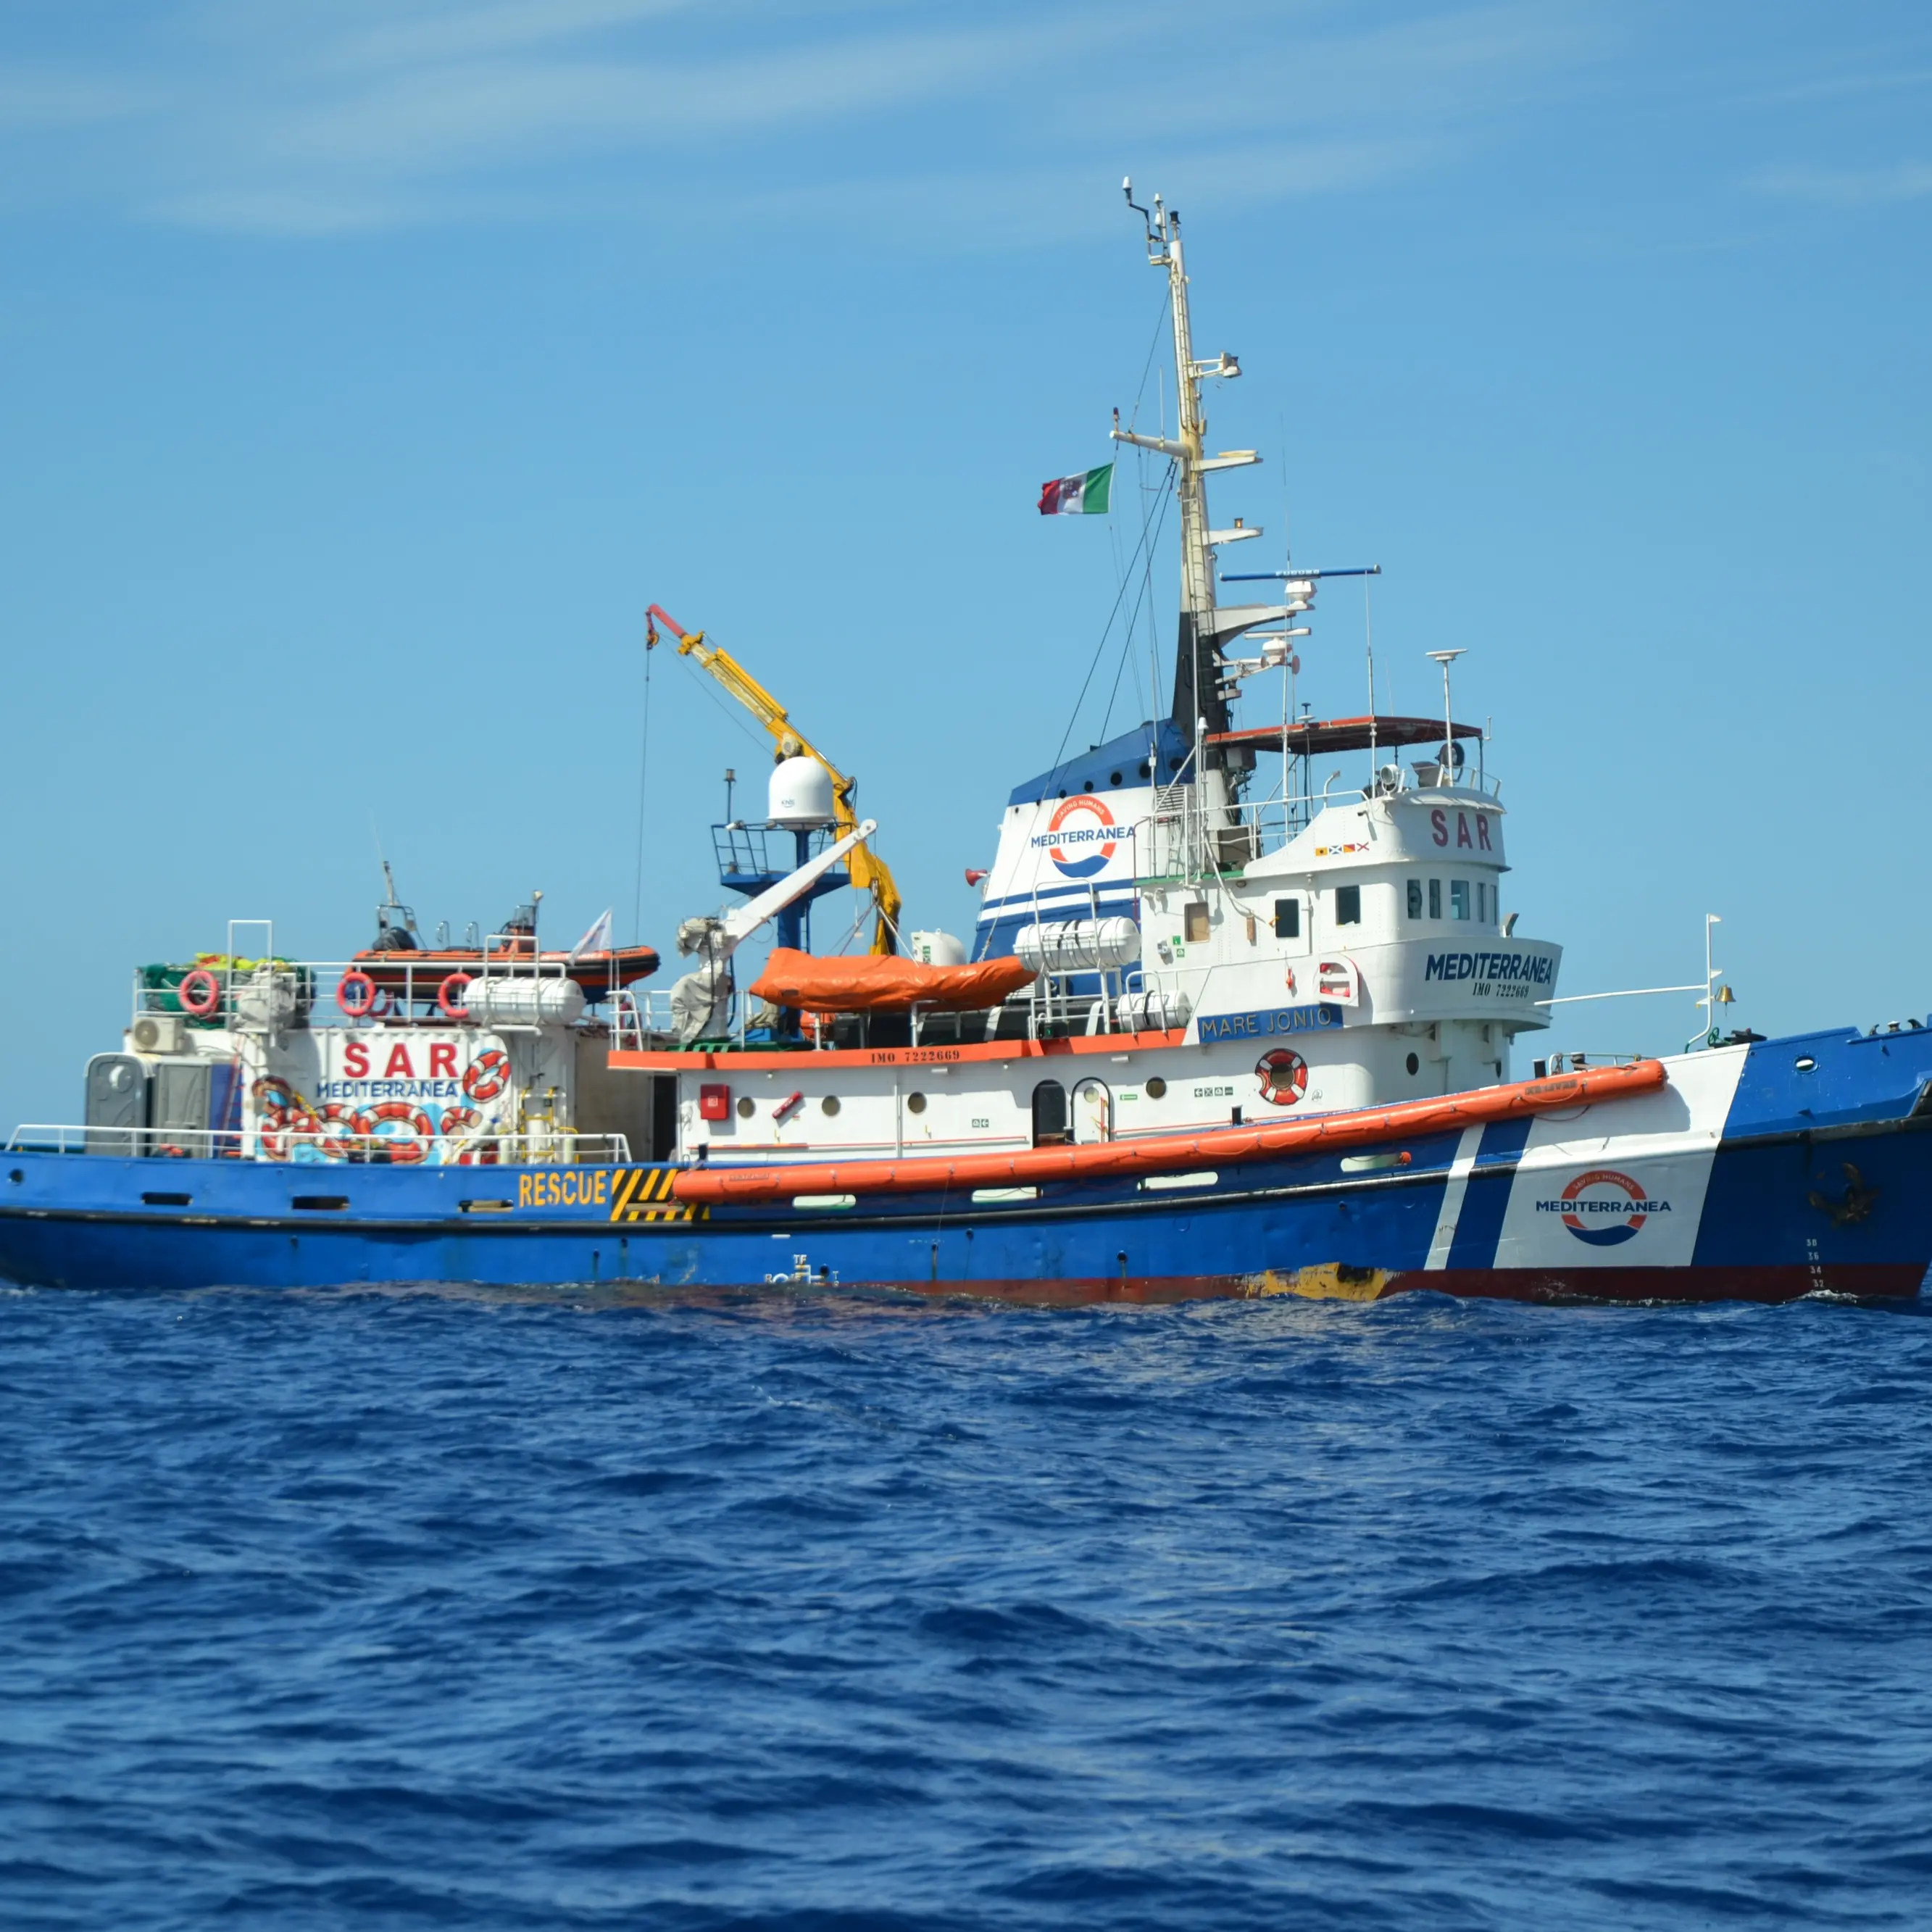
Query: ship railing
(641, 1020)
(541, 1147)
(272, 994)
(1546, 1065)
(1183, 841)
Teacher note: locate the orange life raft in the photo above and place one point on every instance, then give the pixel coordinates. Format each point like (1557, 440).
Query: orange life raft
(870, 984)
(1168, 1153)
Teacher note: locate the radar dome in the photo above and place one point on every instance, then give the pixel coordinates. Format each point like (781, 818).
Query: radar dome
(801, 795)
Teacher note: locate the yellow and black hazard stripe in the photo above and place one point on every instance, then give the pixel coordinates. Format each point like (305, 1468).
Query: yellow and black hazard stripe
(643, 1194)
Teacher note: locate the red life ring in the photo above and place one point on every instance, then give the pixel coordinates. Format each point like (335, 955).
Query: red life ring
(286, 1116)
(446, 996)
(355, 994)
(457, 1122)
(339, 1127)
(420, 1126)
(206, 996)
(486, 1075)
(1283, 1075)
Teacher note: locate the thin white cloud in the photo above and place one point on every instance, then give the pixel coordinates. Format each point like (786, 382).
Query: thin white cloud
(319, 116)
(464, 32)
(41, 97)
(1850, 187)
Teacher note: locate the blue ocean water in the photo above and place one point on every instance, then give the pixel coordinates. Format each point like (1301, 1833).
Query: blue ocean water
(413, 1609)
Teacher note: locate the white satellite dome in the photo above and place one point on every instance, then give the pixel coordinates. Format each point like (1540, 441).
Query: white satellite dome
(801, 795)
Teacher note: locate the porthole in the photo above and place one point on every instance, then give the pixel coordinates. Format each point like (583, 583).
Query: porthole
(830, 1105)
(747, 1107)
(1805, 1064)
(1156, 1087)
(915, 1103)
(1113, 777)
(17, 1176)
(1414, 1065)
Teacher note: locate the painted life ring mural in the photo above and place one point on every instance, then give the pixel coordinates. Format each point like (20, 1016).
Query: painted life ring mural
(1283, 1074)
(486, 1075)
(464, 1143)
(285, 1117)
(291, 1127)
(404, 1131)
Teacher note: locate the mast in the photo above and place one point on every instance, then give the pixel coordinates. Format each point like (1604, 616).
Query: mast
(1199, 698)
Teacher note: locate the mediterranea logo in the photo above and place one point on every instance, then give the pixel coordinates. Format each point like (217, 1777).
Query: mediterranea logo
(1081, 836)
(1603, 1208)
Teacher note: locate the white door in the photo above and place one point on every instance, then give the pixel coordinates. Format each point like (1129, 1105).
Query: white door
(1093, 1113)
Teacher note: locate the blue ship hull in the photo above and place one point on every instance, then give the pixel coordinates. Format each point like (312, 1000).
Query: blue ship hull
(1817, 1180)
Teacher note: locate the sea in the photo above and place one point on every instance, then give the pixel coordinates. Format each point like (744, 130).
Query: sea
(485, 1609)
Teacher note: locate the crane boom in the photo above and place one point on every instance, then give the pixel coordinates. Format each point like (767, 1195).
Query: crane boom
(870, 873)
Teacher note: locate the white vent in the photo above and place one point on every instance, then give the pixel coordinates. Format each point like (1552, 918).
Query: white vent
(157, 1033)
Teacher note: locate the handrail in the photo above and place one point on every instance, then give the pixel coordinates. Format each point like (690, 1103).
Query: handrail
(304, 1147)
(289, 993)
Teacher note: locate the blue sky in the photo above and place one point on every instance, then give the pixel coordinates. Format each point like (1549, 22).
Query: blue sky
(366, 370)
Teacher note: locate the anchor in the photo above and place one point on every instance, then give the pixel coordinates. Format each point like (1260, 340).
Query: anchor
(1856, 1205)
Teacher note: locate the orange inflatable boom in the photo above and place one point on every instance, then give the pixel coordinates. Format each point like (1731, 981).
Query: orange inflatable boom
(1168, 1153)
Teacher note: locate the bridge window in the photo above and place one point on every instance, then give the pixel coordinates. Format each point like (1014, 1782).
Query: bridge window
(1459, 898)
(1415, 899)
(1288, 919)
(1482, 903)
(1436, 898)
(1348, 905)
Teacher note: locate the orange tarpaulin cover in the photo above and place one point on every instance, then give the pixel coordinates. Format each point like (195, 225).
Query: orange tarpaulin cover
(869, 984)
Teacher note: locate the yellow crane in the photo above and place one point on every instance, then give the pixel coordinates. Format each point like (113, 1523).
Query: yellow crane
(870, 872)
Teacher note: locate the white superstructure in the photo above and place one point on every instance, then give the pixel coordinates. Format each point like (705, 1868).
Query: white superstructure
(1208, 947)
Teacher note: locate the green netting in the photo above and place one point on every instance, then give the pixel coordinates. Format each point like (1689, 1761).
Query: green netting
(160, 983)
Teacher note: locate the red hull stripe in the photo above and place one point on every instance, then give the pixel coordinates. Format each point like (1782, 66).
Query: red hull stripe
(1652, 1286)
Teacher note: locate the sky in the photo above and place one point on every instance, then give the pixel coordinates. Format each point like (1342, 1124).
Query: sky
(366, 371)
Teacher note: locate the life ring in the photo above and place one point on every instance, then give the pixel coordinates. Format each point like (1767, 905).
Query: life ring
(448, 996)
(1283, 1074)
(486, 1075)
(355, 994)
(200, 993)
(340, 1126)
(461, 1145)
(421, 1127)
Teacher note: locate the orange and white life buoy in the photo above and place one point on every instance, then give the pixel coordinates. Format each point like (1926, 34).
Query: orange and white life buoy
(461, 1148)
(356, 994)
(486, 1075)
(200, 993)
(340, 1126)
(421, 1130)
(449, 996)
(1283, 1074)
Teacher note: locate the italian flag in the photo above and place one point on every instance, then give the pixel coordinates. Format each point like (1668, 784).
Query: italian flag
(1083, 496)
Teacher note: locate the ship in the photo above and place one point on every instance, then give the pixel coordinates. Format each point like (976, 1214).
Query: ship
(1224, 1026)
